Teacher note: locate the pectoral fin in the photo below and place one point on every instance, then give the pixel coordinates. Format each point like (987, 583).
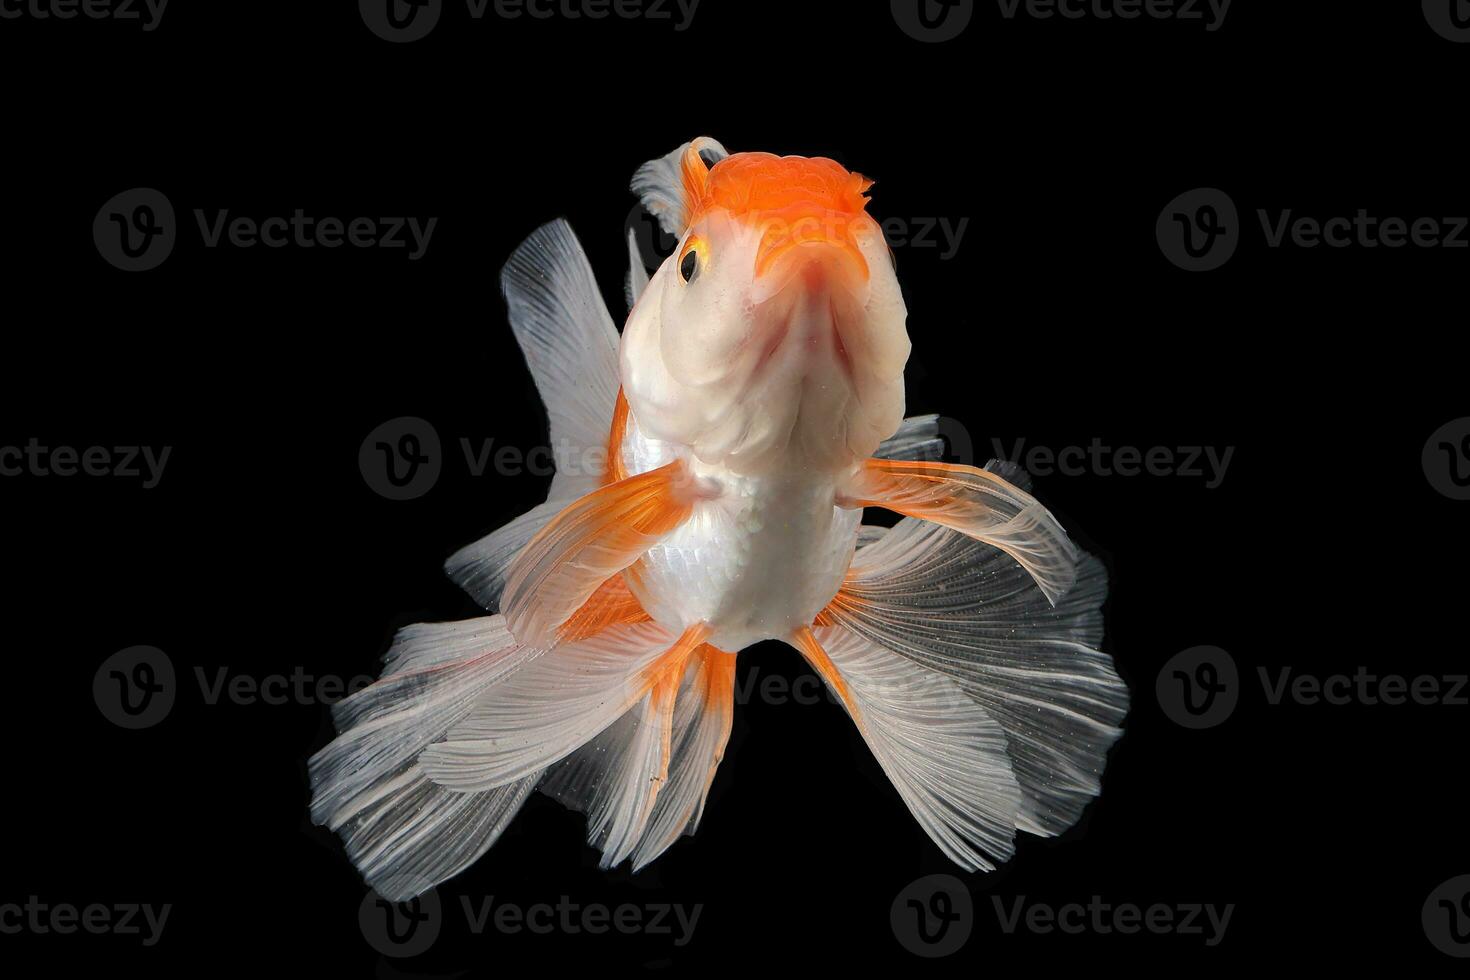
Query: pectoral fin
(590, 541)
(978, 504)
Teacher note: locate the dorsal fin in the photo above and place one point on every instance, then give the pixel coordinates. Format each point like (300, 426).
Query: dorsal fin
(665, 185)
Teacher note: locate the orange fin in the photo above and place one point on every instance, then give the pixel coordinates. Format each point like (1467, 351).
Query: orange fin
(612, 604)
(615, 470)
(806, 641)
(976, 503)
(590, 541)
(663, 678)
(697, 716)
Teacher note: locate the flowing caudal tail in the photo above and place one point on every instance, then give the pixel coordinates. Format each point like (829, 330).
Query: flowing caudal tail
(989, 707)
(627, 724)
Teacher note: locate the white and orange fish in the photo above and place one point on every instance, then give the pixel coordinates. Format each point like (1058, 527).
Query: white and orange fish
(751, 410)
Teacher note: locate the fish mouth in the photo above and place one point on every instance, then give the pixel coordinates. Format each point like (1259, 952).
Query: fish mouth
(817, 251)
(809, 296)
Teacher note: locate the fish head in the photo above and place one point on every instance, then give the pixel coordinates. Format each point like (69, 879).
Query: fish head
(777, 325)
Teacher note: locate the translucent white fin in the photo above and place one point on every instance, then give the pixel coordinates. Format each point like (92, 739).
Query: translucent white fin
(547, 710)
(571, 346)
(637, 279)
(480, 568)
(659, 183)
(917, 438)
(958, 607)
(944, 754)
(403, 833)
(703, 716)
(613, 777)
(411, 835)
(1013, 473)
(590, 541)
(613, 780)
(977, 503)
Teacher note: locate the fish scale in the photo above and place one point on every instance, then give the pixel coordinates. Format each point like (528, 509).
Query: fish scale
(782, 523)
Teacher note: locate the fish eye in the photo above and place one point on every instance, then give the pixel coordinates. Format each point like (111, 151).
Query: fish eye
(693, 259)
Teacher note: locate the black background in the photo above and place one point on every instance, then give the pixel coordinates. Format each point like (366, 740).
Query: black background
(1058, 321)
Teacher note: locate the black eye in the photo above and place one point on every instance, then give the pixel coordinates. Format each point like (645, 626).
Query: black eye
(690, 266)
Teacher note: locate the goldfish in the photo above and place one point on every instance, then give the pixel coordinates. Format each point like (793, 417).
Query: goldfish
(749, 413)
